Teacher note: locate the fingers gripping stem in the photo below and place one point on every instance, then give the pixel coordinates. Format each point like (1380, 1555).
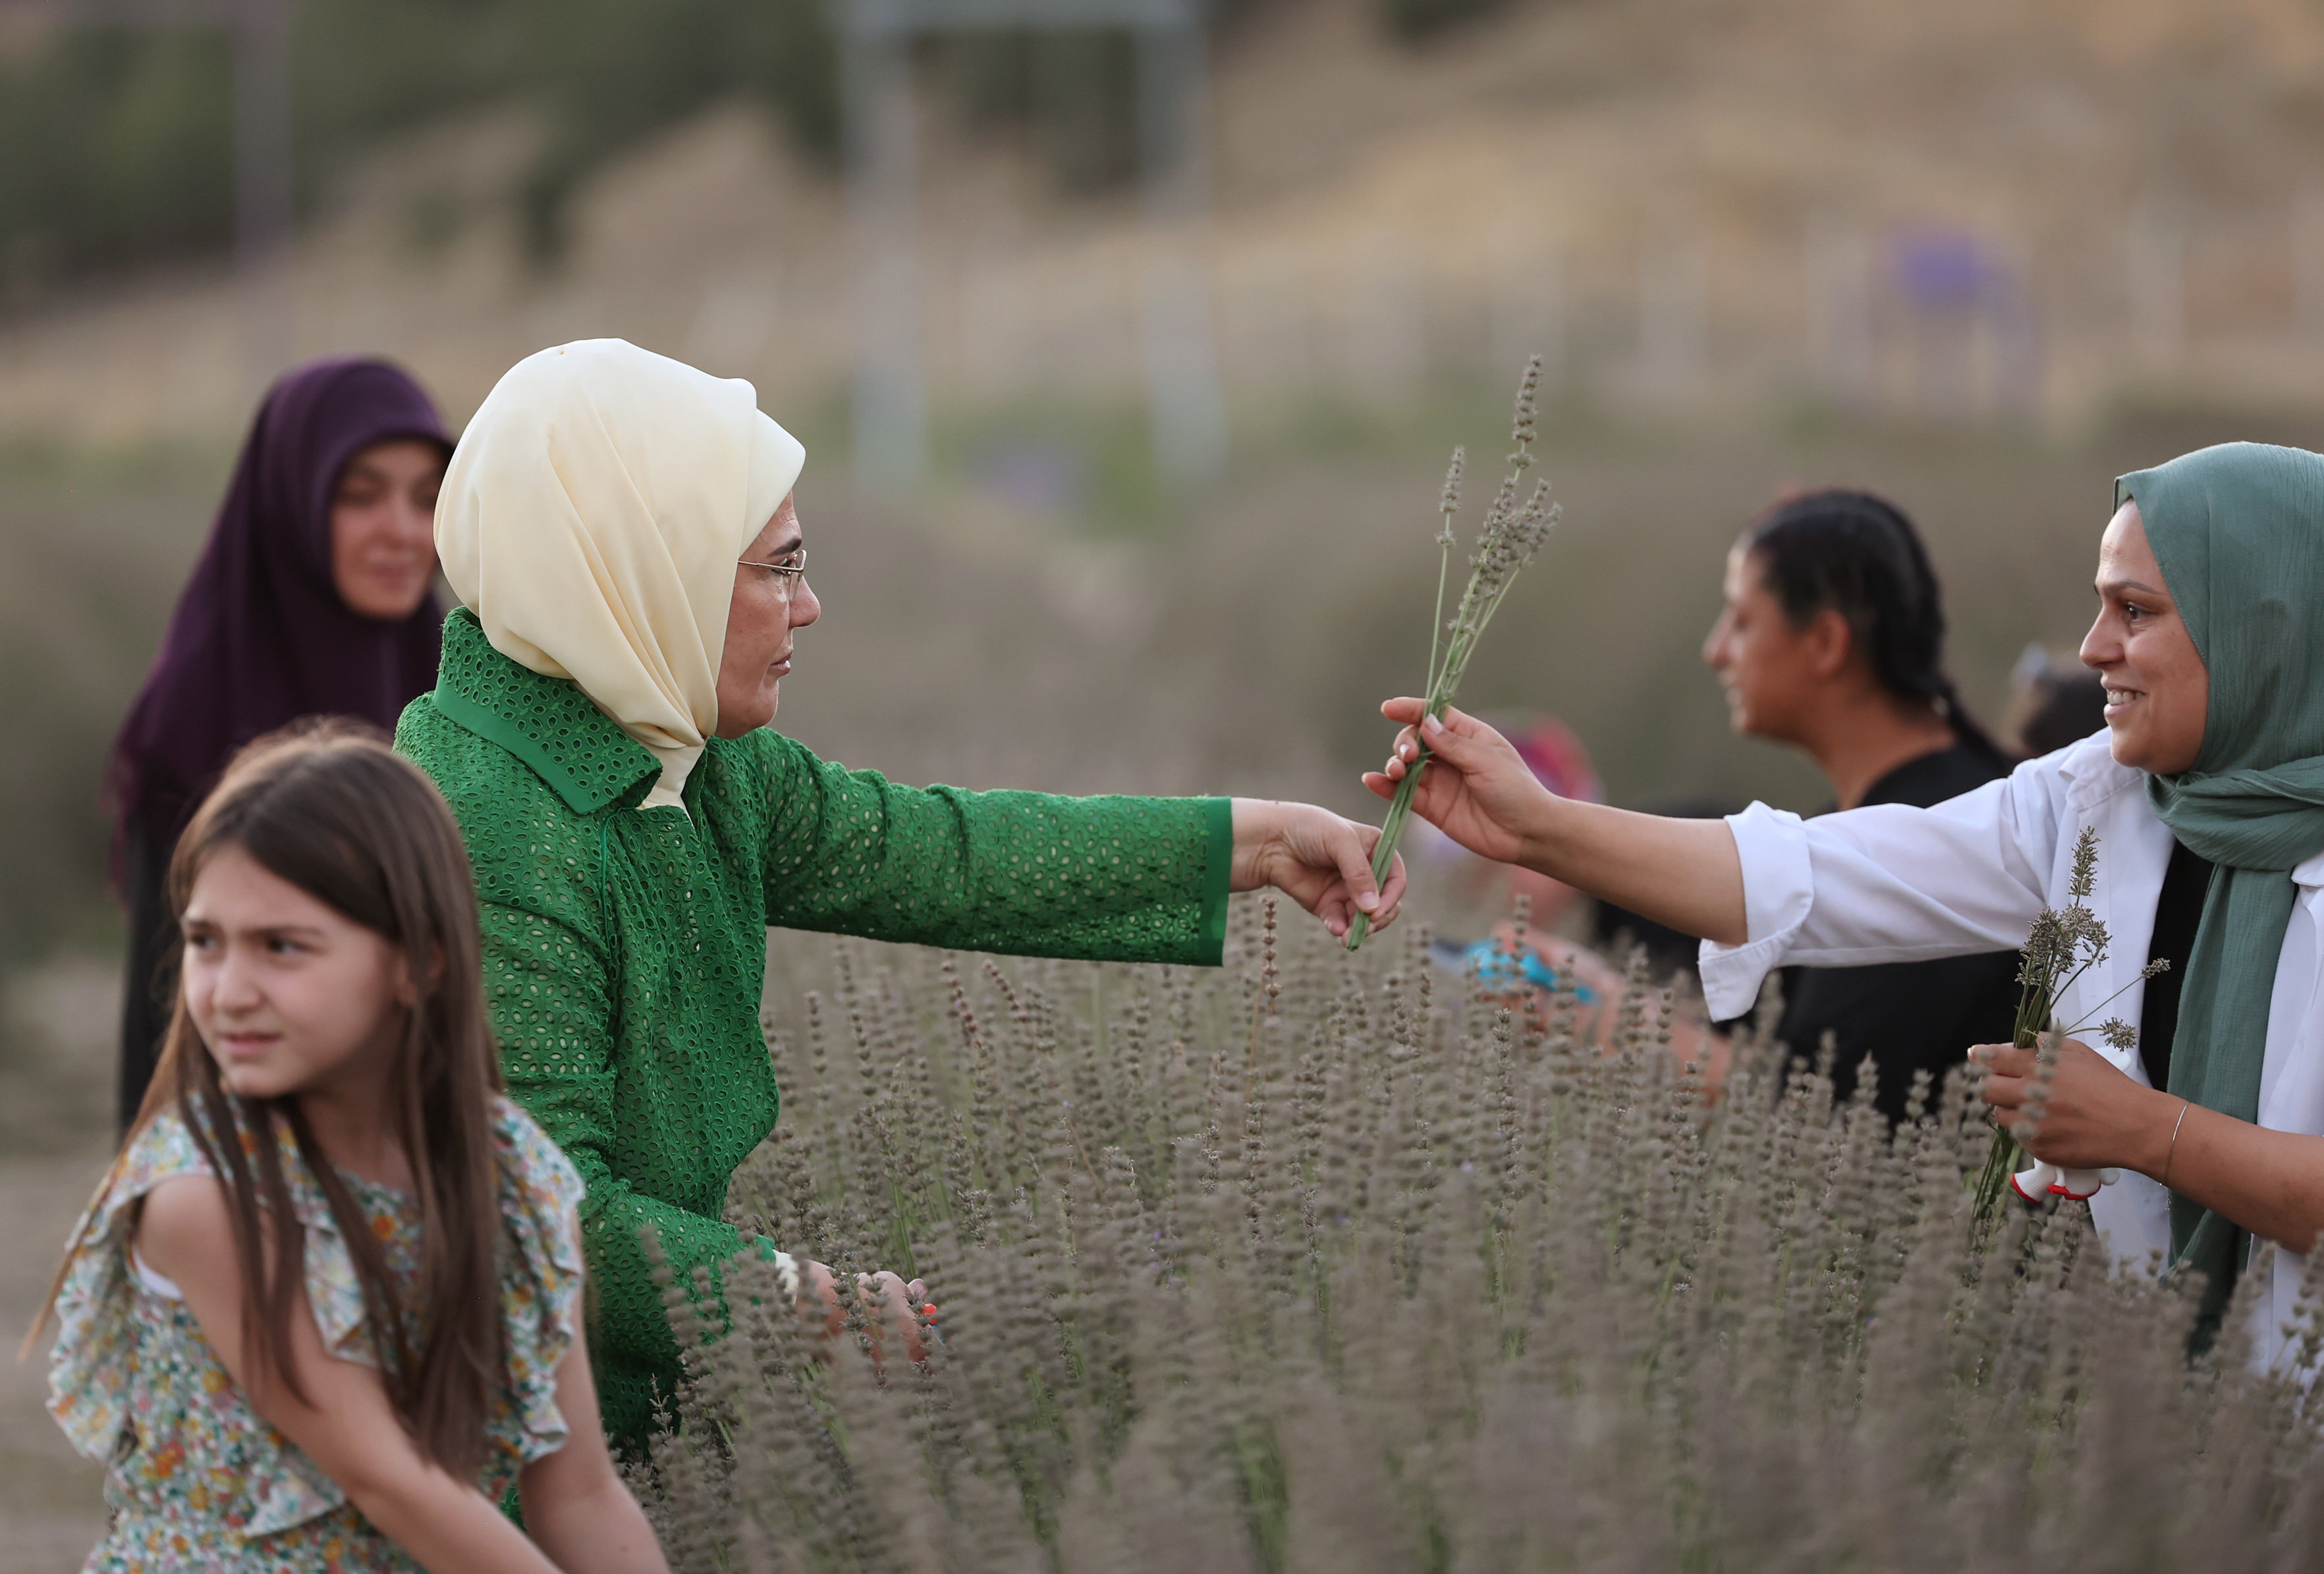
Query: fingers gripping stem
(1400, 809)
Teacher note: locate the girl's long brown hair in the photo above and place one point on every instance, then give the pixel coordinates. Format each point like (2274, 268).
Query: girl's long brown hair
(332, 810)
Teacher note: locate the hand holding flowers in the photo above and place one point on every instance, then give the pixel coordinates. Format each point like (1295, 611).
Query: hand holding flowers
(2094, 1118)
(2063, 944)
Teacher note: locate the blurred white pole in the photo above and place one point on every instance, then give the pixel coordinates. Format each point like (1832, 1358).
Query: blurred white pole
(2158, 282)
(1528, 305)
(1181, 360)
(1387, 338)
(1670, 314)
(264, 187)
(1839, 269)
(2307, 259)
(263, 173)
(890, 415)
(1182, 368)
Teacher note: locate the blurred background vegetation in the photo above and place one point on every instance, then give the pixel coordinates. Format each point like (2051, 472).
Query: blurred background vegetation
(130, 135)
(1980, 261)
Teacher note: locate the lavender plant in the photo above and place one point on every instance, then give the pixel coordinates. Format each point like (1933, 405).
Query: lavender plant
(1515, 527)
(1306, 1264)
(2062, 945)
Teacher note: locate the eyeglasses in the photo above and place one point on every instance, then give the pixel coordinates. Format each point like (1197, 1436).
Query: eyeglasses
(791, 568)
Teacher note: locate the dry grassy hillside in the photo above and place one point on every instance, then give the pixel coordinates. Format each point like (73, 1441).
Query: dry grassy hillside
(1703, 201)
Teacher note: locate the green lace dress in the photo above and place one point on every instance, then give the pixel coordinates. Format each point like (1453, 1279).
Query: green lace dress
(195, 1482)
(625, 949)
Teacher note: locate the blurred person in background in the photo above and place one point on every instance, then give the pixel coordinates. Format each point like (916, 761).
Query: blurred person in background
(313, 597)
(2058, 703)
(622, 532)
(1547, 956)
(1833, 641)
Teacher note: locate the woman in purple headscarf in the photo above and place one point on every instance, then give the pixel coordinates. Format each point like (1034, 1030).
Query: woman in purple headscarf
(314, 596)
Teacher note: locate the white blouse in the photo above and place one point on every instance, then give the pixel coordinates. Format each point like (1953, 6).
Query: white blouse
(1890, 883)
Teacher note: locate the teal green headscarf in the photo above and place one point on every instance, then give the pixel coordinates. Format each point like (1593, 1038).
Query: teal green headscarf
(2238, 531)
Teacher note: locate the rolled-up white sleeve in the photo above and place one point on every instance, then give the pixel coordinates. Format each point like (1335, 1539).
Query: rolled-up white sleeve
(1886, 884)
(1778, 889)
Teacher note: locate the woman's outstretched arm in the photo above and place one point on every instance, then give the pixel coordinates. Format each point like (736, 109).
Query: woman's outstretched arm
(1031, 874)
(1476, 789)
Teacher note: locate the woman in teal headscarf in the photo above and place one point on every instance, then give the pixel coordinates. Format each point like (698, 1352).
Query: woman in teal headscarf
(2207, 792)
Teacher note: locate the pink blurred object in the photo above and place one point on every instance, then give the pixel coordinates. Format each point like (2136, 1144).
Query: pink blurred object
(1556, 758)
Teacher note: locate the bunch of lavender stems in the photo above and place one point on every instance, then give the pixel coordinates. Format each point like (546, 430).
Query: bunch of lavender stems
(1512, 532)
(2061, 946)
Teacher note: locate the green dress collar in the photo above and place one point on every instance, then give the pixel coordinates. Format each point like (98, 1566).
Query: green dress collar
(547, 722)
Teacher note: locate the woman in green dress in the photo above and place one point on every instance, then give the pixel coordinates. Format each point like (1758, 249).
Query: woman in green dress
(620, 530)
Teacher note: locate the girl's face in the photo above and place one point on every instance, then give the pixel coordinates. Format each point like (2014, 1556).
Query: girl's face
(290, 995)
(383, 528)
(2158, 693)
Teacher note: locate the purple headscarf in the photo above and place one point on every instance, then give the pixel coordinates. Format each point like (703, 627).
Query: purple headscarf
(260, 637)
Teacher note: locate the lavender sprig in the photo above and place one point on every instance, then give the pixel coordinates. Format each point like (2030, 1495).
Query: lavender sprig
(1512, 532)
(2063, 944)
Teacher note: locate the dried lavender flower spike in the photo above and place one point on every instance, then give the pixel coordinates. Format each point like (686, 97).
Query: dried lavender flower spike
(1511, 536)
(1449, 503)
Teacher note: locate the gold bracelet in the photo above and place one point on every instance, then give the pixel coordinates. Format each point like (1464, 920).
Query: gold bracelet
(2169, 1152)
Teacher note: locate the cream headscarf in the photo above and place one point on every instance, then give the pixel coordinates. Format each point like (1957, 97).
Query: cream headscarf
(591, 519)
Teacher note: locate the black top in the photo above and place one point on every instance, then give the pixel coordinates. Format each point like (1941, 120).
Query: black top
(1908, 1016)
(2185, 884)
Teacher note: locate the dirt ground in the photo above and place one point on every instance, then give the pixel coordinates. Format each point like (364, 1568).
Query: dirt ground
(56, 1064)
(51, 1507)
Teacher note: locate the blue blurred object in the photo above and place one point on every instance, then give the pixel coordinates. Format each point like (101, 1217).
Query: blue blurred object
(1494, 966)
(1948, 268)
(1038, 476)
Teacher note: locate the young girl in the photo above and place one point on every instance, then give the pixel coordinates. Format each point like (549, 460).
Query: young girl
(325, 1307)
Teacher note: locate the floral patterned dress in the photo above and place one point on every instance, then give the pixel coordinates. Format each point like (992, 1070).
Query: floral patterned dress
(195, 1481)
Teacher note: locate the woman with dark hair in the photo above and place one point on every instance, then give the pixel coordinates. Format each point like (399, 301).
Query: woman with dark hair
(1832, 641)
(312, 597)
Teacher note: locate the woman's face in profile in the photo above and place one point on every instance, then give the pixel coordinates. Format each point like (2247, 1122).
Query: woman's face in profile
(383, 528)
(1767, 668)
(2158, 692)
(767, 610)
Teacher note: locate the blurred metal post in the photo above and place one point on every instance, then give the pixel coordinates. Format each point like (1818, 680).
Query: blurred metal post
(263, 169)
(890, 404)
(1182, 370)
(263, 193)
(2157, 277)
(890, 415)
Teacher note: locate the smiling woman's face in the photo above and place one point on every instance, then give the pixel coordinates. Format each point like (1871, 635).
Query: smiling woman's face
(383, 528)
(2158, 693)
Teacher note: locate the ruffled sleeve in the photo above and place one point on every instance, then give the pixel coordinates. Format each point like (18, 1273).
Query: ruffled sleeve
(540, 1280)
(92, 1366)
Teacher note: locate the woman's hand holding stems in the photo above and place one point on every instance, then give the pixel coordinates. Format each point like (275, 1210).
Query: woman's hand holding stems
(1476, 789)
(2096, 1118)
(1319, 860)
